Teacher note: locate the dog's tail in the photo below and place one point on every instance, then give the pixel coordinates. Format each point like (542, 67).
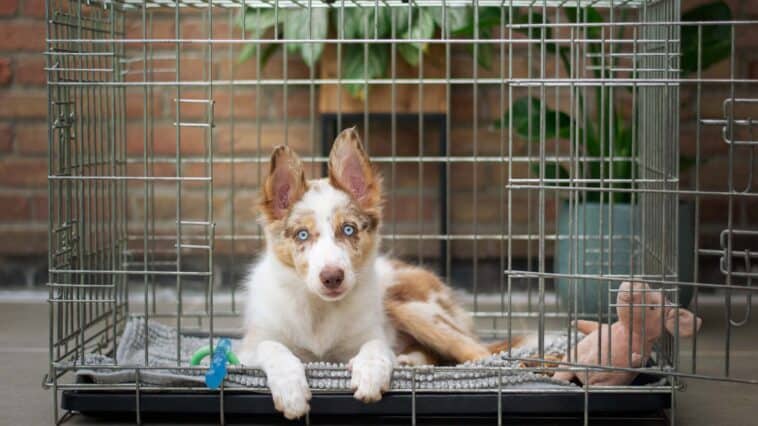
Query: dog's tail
(502, 346)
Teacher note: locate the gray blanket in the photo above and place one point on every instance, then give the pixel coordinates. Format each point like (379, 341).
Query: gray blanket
(161, 341)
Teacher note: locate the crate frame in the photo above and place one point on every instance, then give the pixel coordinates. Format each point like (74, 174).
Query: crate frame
(93, 252)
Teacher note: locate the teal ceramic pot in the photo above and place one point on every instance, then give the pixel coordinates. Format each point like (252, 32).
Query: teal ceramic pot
(585, 248)
(578, 252)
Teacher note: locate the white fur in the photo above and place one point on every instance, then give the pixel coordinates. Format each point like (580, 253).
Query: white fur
(290, 321)
(322, 200)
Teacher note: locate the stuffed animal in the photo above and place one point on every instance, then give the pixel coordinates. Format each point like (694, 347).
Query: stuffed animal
(632, 299)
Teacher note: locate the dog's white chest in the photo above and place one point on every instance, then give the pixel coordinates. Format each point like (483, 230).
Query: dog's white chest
(313, 329)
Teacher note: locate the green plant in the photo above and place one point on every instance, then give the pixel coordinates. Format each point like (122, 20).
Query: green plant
(362, 61)
(598, 137)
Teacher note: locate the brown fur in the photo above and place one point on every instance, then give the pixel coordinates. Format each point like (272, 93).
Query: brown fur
(442, 338)
(347, 160)
(364, 239)
(449, 344)
(412, 284)
(350, 171)
(447, 334)
(284, 186)
(441, 332)
(286, 246)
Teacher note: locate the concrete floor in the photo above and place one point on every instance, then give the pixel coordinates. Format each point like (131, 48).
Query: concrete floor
(23, 356)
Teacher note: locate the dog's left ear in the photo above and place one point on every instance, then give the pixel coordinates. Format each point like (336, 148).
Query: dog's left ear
(351, 170)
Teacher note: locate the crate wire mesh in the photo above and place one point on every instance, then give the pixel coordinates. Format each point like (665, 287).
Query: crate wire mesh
(159, 137)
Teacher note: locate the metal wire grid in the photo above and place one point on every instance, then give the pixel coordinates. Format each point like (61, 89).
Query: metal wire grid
(95, 257)
(139, 4)
(87, 215)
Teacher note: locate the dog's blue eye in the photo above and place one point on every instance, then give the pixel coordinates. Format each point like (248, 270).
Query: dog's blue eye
(302, 235)
(348, 230)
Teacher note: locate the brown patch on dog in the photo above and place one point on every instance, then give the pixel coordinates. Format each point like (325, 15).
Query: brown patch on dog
(351, 171)
(363, 241)
(445, 320)
(412, 284)
(284, 185)
(298, 221)
(420, 305)
(447, 343)
(283, 251)
(286, 246)
(398, 264)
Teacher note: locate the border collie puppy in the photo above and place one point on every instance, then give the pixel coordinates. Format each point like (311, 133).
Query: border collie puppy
(322, 292)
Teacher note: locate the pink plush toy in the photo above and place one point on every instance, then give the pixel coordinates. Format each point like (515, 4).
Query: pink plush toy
(632, 299)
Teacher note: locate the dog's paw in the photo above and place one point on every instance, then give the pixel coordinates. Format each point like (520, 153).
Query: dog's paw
(291, 393)
(370, 377)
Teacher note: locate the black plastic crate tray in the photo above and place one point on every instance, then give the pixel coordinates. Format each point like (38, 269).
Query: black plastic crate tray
(98, 403)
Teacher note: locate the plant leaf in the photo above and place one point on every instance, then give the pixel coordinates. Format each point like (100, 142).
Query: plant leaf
(526, 111)
(457, 17)
(382, 18)
(249, 51)
(401, 18)
(489, 17)
(353, 23)
(485, 54)
(422, 27)
(298, 25)
(536, 30)
(409, 52)
(359, 22)
(485, 50)
(246, 52)
(586, 15)
(258, 20)
(716, 39)
(622, 148)
(353, 65)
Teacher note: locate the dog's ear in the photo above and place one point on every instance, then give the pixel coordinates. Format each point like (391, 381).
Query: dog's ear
(284, 185)
(351, 170)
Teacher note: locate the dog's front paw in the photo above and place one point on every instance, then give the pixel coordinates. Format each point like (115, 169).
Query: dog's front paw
(370, 377)
(291, 393)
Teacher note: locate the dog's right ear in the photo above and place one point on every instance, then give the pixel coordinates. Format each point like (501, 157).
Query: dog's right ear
(284, 185)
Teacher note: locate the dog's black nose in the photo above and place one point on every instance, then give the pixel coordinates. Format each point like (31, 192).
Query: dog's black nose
(331, 277)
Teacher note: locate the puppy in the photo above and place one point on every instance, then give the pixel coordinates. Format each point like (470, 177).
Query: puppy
(322, 292)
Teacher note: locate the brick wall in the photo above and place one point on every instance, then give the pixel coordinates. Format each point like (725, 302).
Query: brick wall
(23, 164)
(23, 141)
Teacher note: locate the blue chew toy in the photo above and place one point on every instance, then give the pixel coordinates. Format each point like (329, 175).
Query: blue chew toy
(217, 369)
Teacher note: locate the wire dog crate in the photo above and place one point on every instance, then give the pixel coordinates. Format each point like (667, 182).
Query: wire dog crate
(531, 153)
